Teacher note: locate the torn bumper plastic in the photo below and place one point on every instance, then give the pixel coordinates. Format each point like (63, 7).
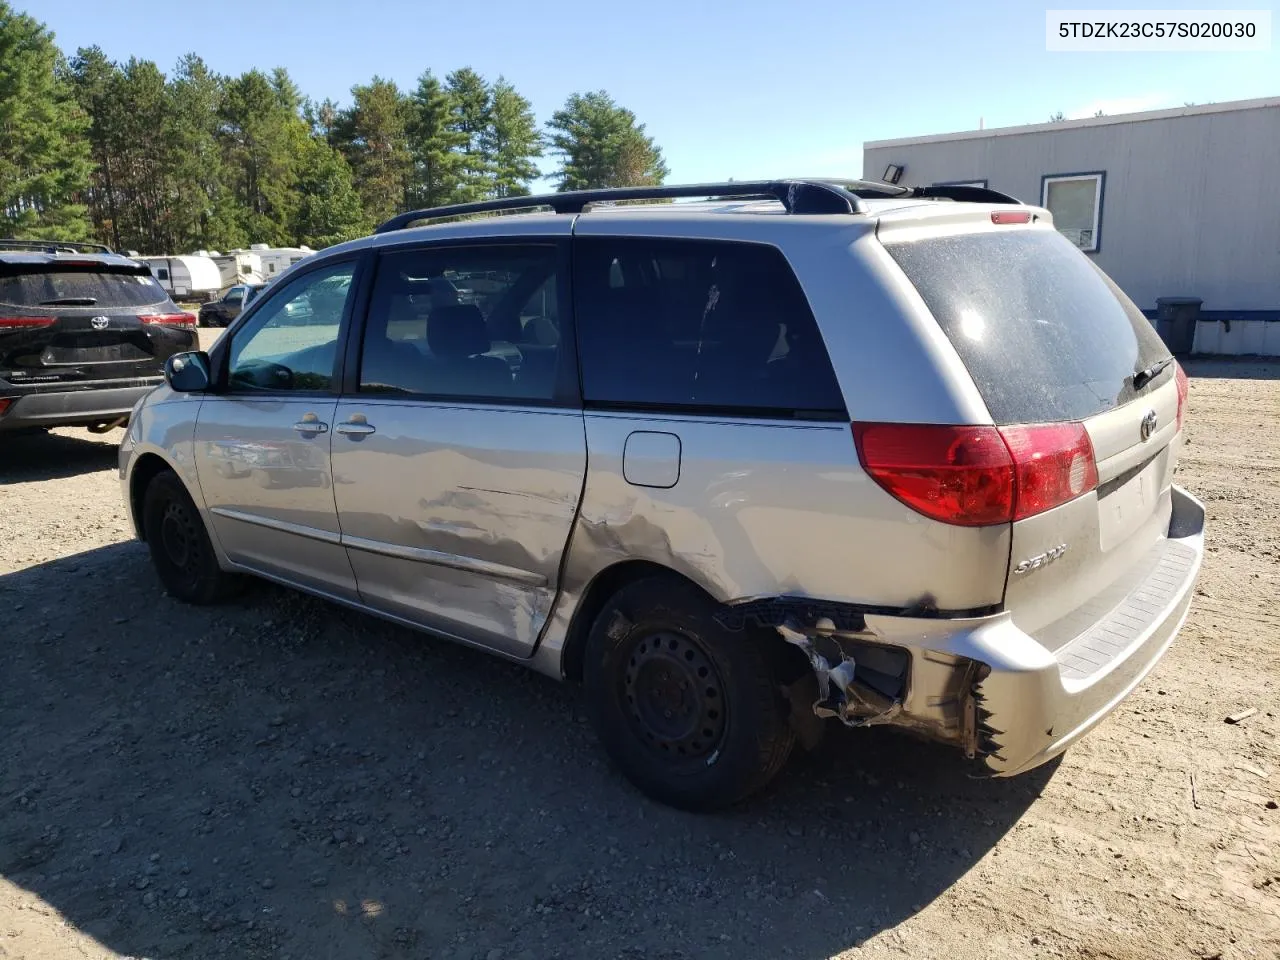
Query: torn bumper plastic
(988, 687)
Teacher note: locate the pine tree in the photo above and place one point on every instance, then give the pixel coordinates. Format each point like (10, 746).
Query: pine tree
(44, 152)
(374, 138)
(601, 145)
(471, 107)
(512, 140)
(204, 216)
(261, 138)
(329, 210)
(95, 81)
(434, 146)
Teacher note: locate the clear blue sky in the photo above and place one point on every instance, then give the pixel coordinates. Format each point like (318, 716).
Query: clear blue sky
(745, 89)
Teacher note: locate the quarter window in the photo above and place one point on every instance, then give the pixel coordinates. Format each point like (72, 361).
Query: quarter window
(291, 342)
(697, 325)
(476, 322)
(1075, 200)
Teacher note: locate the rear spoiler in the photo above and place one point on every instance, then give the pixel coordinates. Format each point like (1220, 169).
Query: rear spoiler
(962, 194)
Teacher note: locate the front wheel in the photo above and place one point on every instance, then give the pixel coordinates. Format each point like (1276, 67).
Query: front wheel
(691, 712)
(180, 547)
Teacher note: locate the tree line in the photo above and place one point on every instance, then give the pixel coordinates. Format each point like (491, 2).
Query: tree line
(122, 153)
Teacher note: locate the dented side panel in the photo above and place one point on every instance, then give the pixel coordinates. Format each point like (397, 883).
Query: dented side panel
(455, 517)
(765, 509)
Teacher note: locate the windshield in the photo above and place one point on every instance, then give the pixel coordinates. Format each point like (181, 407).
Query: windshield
(1045, 334)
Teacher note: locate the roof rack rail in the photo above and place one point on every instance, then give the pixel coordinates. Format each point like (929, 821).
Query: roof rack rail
(797, 196)
(54, 246)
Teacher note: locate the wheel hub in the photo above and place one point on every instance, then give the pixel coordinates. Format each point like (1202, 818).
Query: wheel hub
(674, 696)
(179, 537)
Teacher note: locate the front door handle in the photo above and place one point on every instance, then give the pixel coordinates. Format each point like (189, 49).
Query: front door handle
(310, 423)
(355, 428)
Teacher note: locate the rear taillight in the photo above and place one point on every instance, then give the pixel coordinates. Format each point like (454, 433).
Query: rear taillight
(169, 319)
(1180, 377)
(960, 475)
(5, 403)
(978, 475)
(22, 323)
(1054, 462)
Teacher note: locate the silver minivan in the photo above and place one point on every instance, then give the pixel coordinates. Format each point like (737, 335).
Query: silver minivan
(803, 452)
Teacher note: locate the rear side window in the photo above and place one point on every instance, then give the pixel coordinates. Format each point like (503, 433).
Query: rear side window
(78, 287)
(693, 325)
(477, 322)
(1045, 334)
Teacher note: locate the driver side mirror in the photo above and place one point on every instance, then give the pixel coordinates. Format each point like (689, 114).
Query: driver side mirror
(187, 372)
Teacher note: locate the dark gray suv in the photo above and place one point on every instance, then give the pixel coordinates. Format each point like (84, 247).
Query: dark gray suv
(84, 334)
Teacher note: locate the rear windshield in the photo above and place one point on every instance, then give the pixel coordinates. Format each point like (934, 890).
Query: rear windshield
(1045, 334)
(78, 287)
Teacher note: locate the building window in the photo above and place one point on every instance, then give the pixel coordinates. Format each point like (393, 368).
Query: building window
(1075, 200)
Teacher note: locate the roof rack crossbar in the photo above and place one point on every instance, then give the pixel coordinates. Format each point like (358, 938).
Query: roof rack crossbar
(53, 246)
(796, 196)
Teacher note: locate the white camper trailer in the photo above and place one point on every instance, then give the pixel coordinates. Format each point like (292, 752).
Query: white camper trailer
(276, 260)
(236, 266)
(187, 278)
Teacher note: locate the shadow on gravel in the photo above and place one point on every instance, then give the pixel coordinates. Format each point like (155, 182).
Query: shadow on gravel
(26, 457)
(279, 777)
(1232, 368)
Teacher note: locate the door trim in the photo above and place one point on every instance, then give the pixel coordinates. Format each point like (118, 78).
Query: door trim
(284, 526)
(437, 558)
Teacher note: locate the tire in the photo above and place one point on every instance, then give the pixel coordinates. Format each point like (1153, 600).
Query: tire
(691, 713)
(180, 548)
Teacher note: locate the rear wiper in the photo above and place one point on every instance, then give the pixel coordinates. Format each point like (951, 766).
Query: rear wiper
(70, 302)
(1146, 375)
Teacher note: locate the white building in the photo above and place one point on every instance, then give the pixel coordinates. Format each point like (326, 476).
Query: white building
(1170, 203)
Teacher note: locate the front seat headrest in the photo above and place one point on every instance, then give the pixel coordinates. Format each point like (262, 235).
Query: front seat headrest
(457, 331)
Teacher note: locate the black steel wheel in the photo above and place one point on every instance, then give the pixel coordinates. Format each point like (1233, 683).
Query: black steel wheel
(690, 712)
(180, 547)
(675, 696)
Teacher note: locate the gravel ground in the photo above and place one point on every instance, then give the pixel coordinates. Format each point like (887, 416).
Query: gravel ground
(283, 778)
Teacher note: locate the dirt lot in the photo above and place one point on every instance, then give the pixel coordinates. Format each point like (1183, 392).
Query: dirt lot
(282, 778)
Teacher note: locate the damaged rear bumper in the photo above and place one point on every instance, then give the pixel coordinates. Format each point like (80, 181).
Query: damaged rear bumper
(988, 687)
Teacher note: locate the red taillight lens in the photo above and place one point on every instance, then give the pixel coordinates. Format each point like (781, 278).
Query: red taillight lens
(169, 319)
(978, 475)
(1011, 216)
(5, 403)
(1055, 463)
(1184, 387)
(18, 323)
(959, 475)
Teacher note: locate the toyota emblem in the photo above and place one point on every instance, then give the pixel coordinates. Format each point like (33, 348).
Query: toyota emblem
(1149, 424)
(99, 323)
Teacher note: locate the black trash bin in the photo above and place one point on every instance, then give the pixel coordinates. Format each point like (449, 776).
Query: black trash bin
(1176, 319)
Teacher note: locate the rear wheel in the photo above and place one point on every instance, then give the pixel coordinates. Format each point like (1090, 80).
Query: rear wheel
(689, 711)
(180, 548)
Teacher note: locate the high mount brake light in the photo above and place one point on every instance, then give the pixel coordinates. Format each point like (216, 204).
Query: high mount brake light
(976, 476)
